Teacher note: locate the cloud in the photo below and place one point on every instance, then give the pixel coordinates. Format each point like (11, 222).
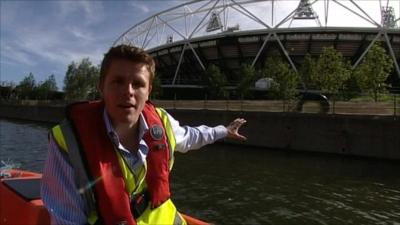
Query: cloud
(11, 55)
(82, 34)
(59, 37)
(88, 12)
(142, 7)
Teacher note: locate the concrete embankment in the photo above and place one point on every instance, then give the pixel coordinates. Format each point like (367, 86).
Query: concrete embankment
(371, 136)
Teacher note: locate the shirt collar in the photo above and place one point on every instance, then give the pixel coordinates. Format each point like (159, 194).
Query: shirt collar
(143, 128)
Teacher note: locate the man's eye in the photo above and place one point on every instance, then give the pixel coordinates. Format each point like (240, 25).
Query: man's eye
(138, 84)
(117, 81)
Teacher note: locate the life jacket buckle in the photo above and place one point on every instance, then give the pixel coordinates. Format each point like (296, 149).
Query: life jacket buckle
(139, 204)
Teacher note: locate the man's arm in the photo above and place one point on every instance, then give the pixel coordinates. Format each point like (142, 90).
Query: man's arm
(59, 193)
(189, 138)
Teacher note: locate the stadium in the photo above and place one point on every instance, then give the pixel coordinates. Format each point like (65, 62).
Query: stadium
(186, 39)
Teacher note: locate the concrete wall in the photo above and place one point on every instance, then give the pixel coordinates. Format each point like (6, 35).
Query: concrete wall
(42, 113)
(344, 134)
(372, 136)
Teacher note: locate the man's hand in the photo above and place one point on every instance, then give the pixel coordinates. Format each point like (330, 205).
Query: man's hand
(233, 129)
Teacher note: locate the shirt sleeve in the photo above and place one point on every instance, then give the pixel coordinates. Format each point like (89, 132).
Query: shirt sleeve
(58, 190)
(190, 138)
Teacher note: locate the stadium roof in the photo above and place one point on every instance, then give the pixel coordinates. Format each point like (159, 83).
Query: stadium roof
(185, 39)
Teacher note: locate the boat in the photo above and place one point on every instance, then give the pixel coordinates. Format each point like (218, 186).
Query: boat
(20, 201)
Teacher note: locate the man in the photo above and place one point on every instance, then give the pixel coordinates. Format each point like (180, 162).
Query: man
(109, 162)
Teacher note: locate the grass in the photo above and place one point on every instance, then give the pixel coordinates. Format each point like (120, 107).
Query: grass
(381, 98)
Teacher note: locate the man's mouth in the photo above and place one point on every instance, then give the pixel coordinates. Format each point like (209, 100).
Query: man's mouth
(126, 106)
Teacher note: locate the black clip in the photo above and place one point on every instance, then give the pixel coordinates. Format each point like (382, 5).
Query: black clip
(139, 204)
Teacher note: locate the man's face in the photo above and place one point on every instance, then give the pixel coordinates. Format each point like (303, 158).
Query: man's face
(125, 90)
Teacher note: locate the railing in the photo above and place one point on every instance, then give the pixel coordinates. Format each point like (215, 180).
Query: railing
(387, 108)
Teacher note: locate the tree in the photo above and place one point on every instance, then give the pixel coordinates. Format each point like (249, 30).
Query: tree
(25, 89)
(285, 80)
(247, 79)
(44, 89)
(7, 89)
(331, 71)
(372, 73)
(80, 82)
(351, 88)
(307, 70)
(216, 82)
(156, 91)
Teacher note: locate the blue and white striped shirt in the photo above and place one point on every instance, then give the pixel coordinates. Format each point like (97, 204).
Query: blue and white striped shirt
(59, 193)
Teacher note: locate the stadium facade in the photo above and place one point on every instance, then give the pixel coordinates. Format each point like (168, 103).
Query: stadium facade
(186, 39)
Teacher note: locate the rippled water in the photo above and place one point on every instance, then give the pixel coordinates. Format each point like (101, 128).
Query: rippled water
(23, 143)
(227, 184)
(236, 185)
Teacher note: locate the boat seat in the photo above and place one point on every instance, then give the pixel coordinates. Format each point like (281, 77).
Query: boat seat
(29, 189)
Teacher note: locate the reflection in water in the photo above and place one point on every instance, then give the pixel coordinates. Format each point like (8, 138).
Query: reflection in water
(227, 184)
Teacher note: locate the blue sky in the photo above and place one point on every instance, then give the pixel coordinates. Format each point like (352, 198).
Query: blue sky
(45, 36)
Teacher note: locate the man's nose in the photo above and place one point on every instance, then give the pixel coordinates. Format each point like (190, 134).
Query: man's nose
(129, 90)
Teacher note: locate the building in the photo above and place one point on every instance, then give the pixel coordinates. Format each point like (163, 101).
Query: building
(187, 38)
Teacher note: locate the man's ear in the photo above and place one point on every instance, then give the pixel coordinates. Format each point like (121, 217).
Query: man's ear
(149, 95)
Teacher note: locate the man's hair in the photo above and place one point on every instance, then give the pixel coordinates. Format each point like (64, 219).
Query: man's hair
(127, 52)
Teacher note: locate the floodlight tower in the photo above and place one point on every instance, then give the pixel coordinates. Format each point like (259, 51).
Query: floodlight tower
(305, 11)
(388, 17)
(214, 23)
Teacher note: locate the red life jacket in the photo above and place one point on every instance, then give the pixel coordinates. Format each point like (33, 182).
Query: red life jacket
(113, 202)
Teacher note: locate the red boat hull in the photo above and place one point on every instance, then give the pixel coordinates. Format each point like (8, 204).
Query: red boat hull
(17, 209)
(20, 201)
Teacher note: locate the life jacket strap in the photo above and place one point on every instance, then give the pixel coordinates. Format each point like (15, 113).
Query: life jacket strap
(81, 177)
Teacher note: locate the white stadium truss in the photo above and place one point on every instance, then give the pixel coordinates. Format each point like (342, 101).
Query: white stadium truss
(185, 39)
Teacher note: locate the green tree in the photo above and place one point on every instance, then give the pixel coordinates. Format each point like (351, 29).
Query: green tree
(372, 73)
(307, 70)
(7, 89)
(25, 89)
(246, 81)
(80, 82)
(351, 88)
(285, 80)
(44, 89)
(332, 70)
(156, 91)
(216, 82)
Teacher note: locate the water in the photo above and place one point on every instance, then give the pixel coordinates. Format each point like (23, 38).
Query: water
(24, 143)
(226, 184)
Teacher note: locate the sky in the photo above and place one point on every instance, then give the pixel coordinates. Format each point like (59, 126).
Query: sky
(44, 36)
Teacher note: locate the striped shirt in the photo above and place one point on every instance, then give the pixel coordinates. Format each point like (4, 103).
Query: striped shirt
(59, 193)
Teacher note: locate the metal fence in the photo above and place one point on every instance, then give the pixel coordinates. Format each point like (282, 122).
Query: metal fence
(389, 107)
(362, 107)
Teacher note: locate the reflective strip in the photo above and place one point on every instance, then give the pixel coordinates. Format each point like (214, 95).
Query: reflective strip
(166, 213)
(179, 219)
(92, 217)
(81, 178)
(59, 138)
(170, 134)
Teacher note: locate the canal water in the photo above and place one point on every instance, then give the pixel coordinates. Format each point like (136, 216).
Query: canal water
(226, 184)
